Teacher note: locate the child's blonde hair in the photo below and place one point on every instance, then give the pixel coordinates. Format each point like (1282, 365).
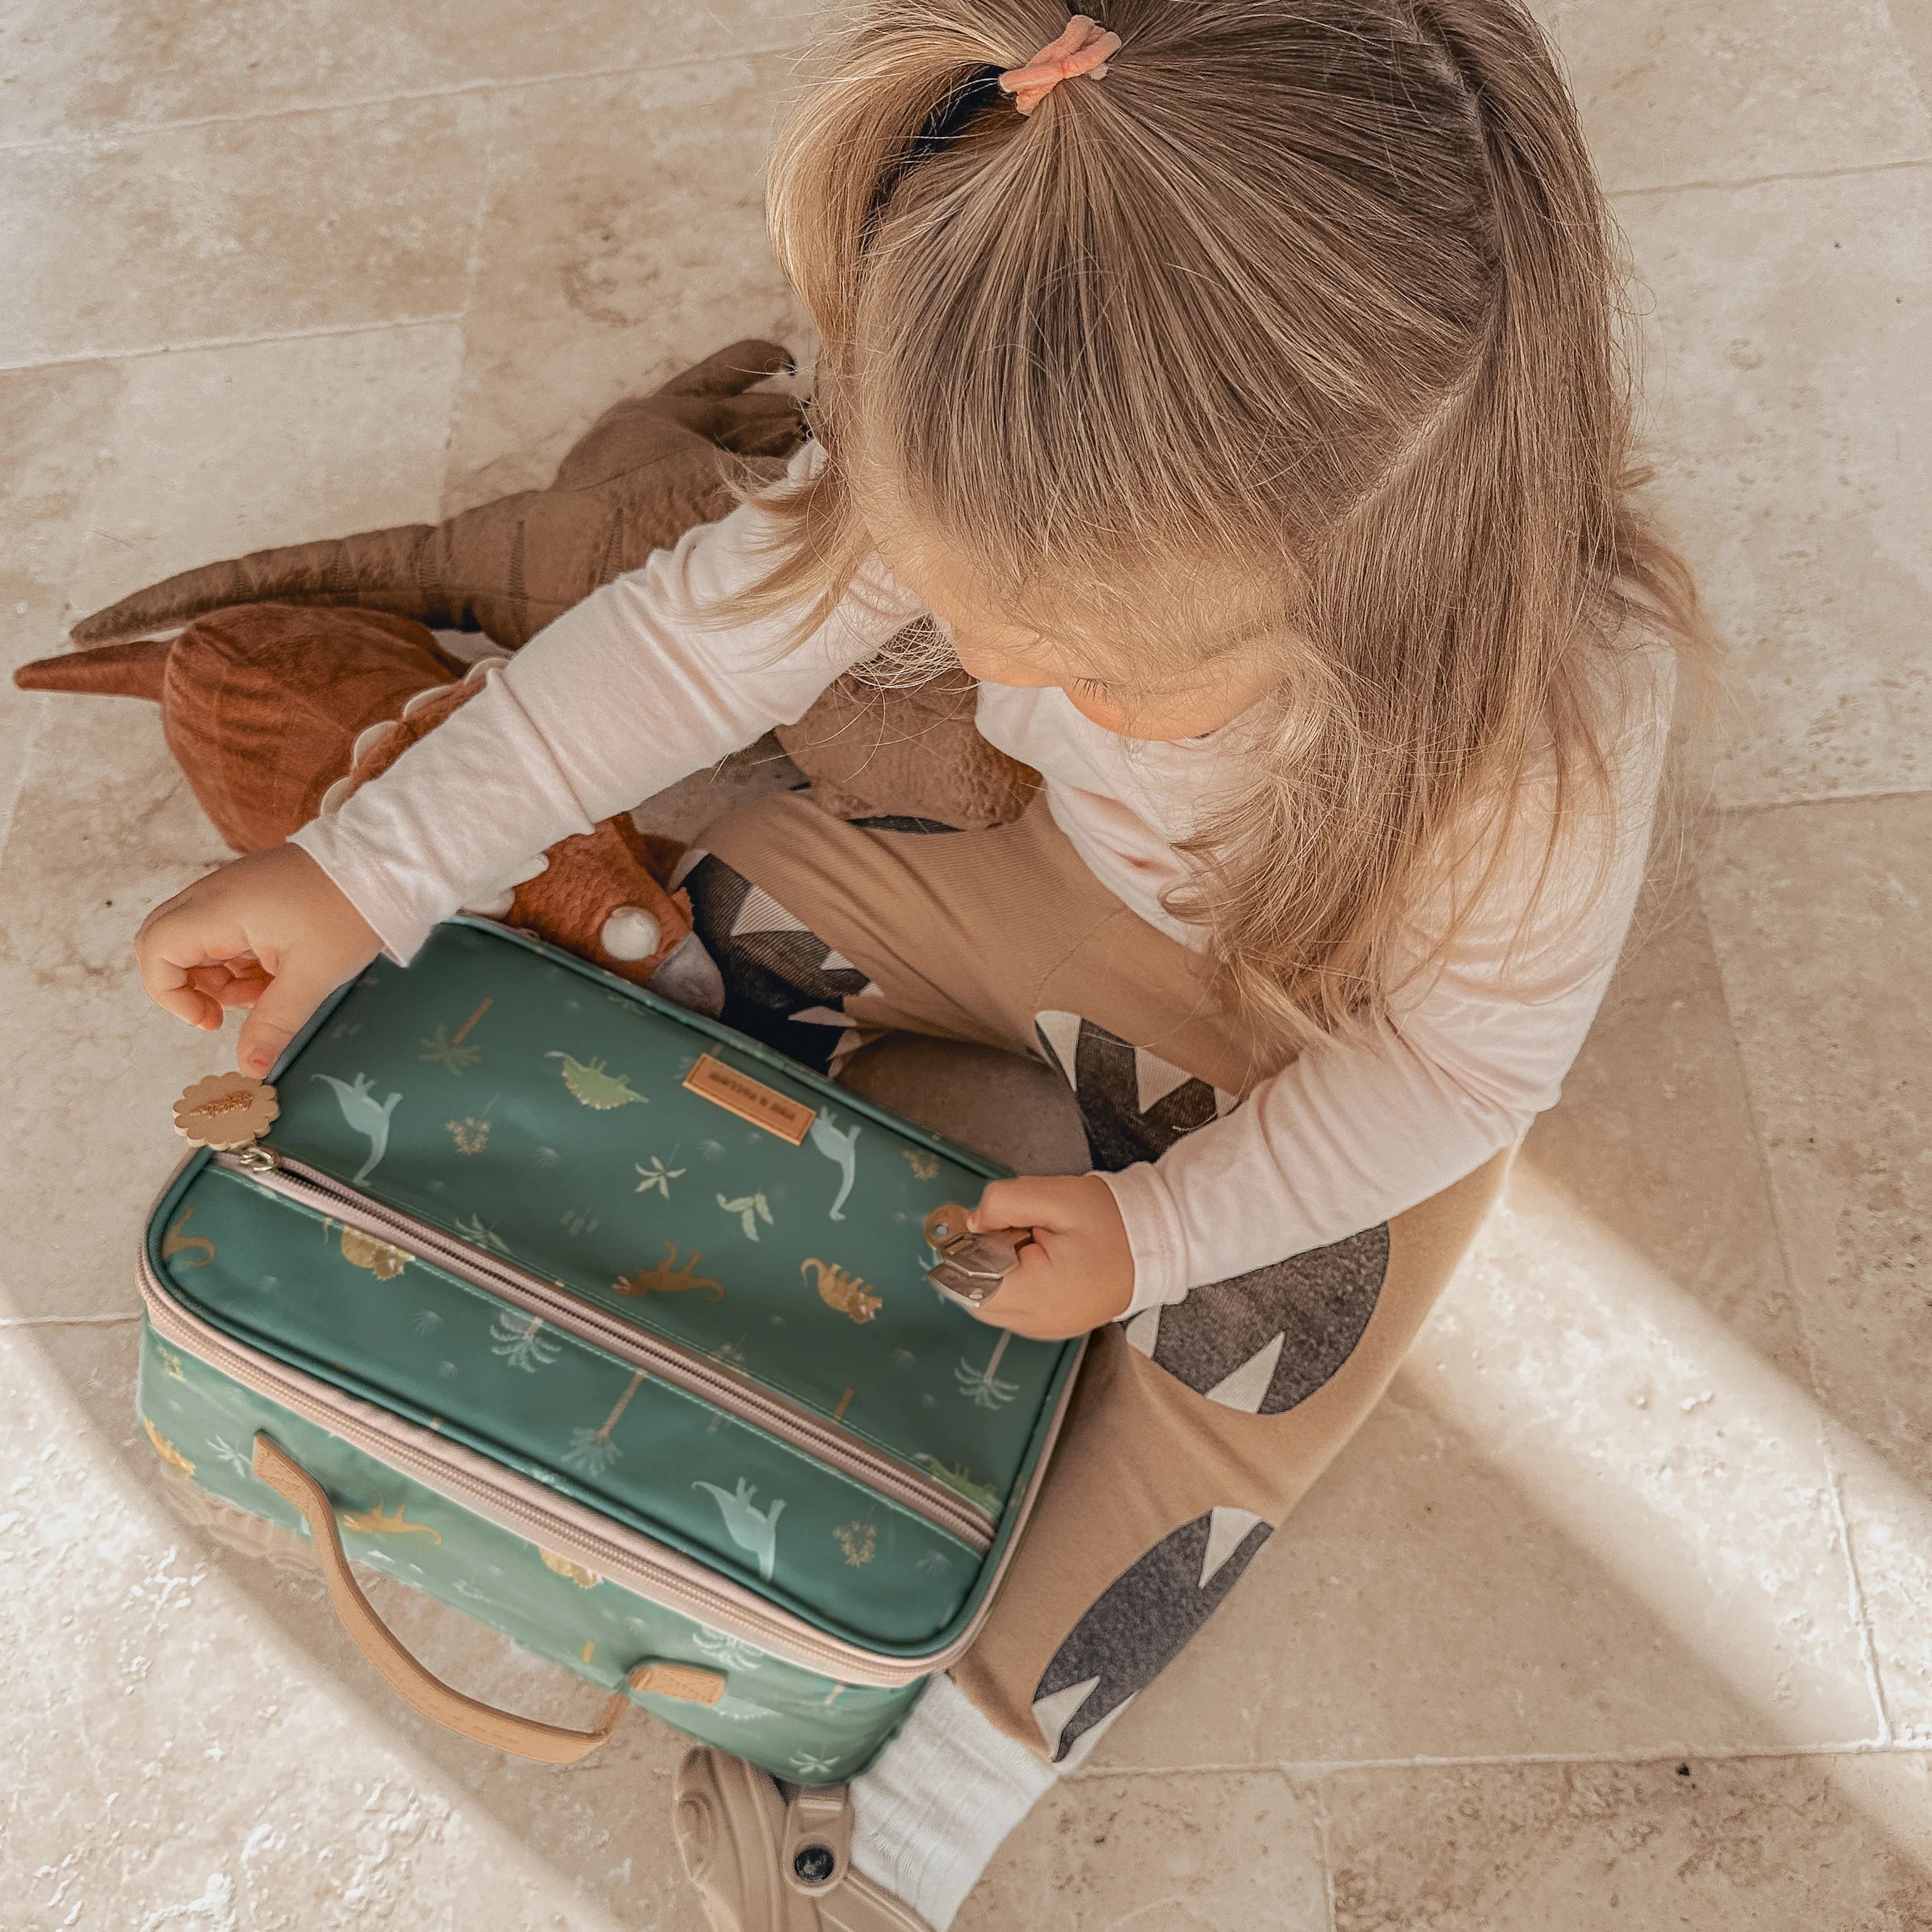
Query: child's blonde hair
(1304, 316)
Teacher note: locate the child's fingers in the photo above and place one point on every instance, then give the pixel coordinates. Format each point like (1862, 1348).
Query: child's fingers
(169, 956)
(231, 982)
(1030, 1202)
(280, 1012)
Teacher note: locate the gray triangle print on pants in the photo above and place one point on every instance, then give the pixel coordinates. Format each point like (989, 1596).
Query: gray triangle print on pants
(1134, 1105)
(1261, 1341)
(1139, 1625)
(1265, 1341)
(783, 984)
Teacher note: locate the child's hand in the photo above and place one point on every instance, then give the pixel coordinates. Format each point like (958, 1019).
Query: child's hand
(1077, 1272)
(272, 931)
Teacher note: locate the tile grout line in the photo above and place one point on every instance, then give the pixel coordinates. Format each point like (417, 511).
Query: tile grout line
(1323, 1846)
(135, 130)
(1851, 168)
(65, 1320)
(1855, 1590)
(1823, 798)
(195, 345)
(473, 270)
(1313, 1770)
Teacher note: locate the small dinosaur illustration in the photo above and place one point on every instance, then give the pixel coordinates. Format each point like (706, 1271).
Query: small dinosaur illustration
(839, 1289)
(173, 1457)
(365, 1251)
(366, 1116)
(590, 1085)
(961, 1481)
(379, 1522)
(178, 1241)
(748, 1527)
(584, 1579)
(670, 1277)
(839, 1146)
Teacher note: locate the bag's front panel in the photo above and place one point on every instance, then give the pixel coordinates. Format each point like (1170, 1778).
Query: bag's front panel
(532, 1109)
(417, 1342)
(794, 1722)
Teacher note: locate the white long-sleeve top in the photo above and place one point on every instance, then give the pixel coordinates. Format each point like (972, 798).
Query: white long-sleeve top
(626, 693)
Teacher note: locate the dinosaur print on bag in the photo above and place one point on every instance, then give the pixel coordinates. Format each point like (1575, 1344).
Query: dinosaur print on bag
(840, 1147)
(592, 1086)
(365, 1251)
(178, 1241)
(379, 1522)
(366, 1116)
(670, 1277)
(846, 1292)
(961, 1481)
(747, 1526)
(166, 1449)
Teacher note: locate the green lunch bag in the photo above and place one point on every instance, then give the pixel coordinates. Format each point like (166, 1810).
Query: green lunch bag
(608, 1325)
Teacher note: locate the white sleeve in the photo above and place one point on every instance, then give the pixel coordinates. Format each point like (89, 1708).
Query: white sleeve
(1353, 1132)
(622, 695)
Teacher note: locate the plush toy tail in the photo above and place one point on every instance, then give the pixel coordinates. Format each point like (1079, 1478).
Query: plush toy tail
(116, 670)
(376, 570)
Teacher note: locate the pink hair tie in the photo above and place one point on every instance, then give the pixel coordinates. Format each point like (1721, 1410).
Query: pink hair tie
(1082, 49)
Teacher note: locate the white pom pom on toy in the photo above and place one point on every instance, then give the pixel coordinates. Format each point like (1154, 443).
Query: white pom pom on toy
(630, 933)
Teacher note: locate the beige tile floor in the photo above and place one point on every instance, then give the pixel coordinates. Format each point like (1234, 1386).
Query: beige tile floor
(1616, 1615)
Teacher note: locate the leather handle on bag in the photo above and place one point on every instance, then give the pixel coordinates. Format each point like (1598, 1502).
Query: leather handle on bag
(484, 1723)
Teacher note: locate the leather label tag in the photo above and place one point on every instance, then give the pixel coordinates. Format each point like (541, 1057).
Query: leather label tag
(688, 1683)
(751, 1099)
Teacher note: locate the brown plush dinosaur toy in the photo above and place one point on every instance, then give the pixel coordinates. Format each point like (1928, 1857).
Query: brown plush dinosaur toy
(276, 712)
(646, 471)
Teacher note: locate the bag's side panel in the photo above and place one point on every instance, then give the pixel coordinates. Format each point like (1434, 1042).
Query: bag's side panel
(794, 1723)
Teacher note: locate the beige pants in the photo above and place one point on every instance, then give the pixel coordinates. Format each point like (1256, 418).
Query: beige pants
(1196, 1428)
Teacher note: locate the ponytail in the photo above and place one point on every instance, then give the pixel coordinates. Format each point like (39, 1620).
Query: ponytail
(1314, 304)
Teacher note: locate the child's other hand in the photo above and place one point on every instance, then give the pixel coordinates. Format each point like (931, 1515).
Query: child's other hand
(1077, 1272)
(272, 930)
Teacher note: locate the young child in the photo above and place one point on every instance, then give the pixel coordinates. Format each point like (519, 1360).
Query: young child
(1237, 391)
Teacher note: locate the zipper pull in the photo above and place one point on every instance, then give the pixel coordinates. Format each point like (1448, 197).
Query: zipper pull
(226, 1111)
(257, 1159)
(971, 1267)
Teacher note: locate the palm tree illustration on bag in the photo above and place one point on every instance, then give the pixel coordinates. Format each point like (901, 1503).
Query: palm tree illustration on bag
(366, 1116)
(745, 1525)
(591, 1451)
(981, 1386)
(519, 1339)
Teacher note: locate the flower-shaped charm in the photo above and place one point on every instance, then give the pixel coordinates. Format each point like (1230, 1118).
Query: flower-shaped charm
(226, 1110)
